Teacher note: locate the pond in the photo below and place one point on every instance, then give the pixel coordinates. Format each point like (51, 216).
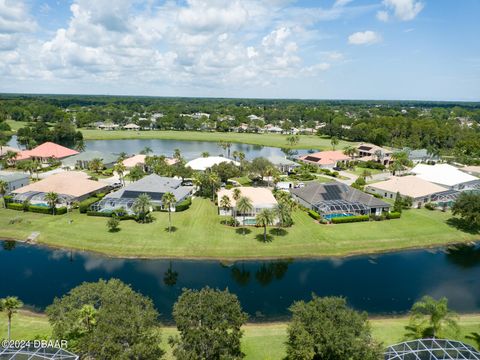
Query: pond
(382, 284)
(190, 149)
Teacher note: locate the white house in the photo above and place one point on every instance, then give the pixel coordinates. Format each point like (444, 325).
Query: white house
(204, 163)
(447, 176)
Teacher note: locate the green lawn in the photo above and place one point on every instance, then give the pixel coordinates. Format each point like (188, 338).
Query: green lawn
(199, 234)
(359, 171)
(275, 140)
(259, 342)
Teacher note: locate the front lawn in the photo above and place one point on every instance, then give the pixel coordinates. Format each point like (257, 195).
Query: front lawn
(199, 234)
(359, 171)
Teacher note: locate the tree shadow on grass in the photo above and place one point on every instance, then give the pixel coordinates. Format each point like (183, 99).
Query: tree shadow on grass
(242, 231)
(261, 238)
(461, 224)
(278, 232)
(114, 230)
(172, 229)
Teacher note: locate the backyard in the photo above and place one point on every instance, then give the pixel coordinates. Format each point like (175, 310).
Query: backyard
(259, 342)
(198, 233)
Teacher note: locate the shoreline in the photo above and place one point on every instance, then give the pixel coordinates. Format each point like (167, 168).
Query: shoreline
(371, 254)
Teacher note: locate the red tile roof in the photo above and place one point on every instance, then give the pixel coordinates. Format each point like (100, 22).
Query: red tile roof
(325, 157)
(47, 150)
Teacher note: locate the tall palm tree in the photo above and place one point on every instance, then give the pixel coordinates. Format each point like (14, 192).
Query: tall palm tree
(334, 142)
(284, 213)
(228, 145)
(205, 154)
(168, 200)
(122, 156)
(244, 205)
(214, 182)
(235, 155)
(10, 305)
(120, 169)
(435, 313)
(52, 199)
(236, 194)
(87, 319)
(225, 203)
(177, 154)
(3, 191)
(265, 218)
(96, 165)
(350, 151)
(142, 205)
(241, 158)
(366, 174)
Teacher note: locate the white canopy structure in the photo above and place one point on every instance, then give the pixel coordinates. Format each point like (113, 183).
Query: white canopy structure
(204, 163)
(445, 175)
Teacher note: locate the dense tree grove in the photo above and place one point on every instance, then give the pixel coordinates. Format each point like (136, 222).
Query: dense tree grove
(107, 320)
(327, 329)
(443, 127)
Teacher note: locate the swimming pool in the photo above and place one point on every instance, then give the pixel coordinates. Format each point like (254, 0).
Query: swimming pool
(250, 222)
(331, 216)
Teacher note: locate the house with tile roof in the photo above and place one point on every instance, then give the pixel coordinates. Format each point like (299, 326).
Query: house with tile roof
(325, 159)
(45, 152)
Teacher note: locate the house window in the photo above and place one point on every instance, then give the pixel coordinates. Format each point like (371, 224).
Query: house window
(385, 195)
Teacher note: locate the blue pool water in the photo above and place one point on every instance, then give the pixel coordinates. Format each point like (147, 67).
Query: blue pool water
(331, 216)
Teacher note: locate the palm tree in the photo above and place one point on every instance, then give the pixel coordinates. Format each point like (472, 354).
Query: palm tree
(96, 165)
(136, 173)
(241, 157)
(293, 139)
(120, 169)
(284, 213)
(170, 277)
(168, 200)
(434, 314)
(244, 205)
(142, 206)
(350, 151)
(366, 174)
(87, 319)
(235, 155)
(334, 142)
(225, 203)
(236, 193)
(214, 180)
(122, 156)
(228, 145)
(80, 145)
(52, 199)
(265, 218)
(177, 154)
(146, 150)
(205, 154)
(475, 336)
(3, 191)
(10, 305)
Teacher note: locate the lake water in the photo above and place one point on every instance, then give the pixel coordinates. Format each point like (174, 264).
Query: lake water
(383, 284)
(190, 149)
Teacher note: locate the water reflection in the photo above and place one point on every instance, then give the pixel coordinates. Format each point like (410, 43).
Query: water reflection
(383, 284)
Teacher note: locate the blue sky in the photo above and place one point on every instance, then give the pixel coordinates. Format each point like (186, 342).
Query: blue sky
(321, 49)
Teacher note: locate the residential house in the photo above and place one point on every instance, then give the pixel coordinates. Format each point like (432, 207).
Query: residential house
(153, 185)
(325, 159)
(71, 186)
(283, 164)
(45, 152)
(371, 152)
(82, 160)
(131, 126)
(447, 176)
(420, 190)
(14, 180)
(4, 150)
(338, 200)
(261, 198)
(420, 155)
(204, 163)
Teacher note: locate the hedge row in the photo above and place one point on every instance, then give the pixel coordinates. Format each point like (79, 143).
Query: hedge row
(184, 205)
(37, 209)
(85, 204)
(314, 214)
(349, 219)
(109, 214)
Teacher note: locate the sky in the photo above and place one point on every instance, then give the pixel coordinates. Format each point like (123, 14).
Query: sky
(310, 49)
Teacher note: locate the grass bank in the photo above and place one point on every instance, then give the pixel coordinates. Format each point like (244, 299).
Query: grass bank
(260, 341)
(274, 140)
(198, 233)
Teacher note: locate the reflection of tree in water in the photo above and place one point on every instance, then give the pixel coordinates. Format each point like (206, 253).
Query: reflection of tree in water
(240, 275)
(8, 245)
(170, 277)
(464, 255)
(269, 271)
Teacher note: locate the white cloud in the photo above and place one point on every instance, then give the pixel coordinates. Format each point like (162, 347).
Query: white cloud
(383, 15)
(364, 38)
(341, 2)
(404, 10)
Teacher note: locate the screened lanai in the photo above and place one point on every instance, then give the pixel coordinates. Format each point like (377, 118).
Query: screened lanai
(431, 349)
(38, 198)
(338, 206)
(35, 353)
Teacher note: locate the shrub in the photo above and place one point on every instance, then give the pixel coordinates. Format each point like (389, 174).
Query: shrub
(100, 195)
(40, 209)
(314, 214)
(15, 206)
(85, 204)
(349, 219)
(98, 213)
(371, 165)
(8, 199)
(61, 211)
(394, 215)
(184, 205)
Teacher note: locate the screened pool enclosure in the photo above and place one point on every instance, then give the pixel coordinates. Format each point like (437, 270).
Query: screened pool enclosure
(431, 349)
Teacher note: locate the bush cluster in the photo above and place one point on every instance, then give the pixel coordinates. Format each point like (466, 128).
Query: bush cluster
(349, 219)
(314, 214)
(36, 209)
(85, 204)
(184, 205)
(110, 214)
(394, 215)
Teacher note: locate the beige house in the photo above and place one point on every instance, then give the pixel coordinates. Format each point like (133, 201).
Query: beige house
(421, 191)
(261, 198)
(371, 152)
